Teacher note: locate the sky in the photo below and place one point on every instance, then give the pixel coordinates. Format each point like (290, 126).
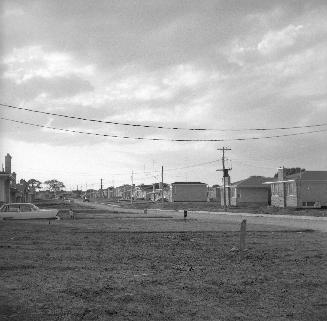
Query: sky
(221, 65)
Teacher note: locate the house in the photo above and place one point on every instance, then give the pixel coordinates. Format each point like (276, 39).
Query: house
(303, 189)
(188, 192)
(214, 194)
(5, 190)
(158, 192)
(123, 192)
(143, 192)
(109, 193)
(251, 191)
(10, 190)
(7, 182)
(76, 193)
(44, 195)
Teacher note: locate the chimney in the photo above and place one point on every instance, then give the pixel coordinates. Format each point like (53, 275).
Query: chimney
(281, 173)
(8, 164)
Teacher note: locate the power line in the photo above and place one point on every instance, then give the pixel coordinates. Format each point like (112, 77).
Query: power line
(160, 127)
(163, 139)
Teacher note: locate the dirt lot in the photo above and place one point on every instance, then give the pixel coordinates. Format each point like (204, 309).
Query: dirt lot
(132, 268)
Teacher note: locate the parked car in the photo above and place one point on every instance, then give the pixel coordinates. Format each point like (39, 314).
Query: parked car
(25, 211)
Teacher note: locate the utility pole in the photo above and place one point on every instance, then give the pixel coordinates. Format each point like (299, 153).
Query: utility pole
(132, 179)
(162, 187)
(101, 189)
(225, 173)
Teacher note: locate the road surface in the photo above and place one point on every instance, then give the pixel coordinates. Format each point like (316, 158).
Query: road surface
(287, 221)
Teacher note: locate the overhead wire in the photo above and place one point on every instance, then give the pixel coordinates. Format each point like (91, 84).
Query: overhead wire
(164, 139)
(159, 127)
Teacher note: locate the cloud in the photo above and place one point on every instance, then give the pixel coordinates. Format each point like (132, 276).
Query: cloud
(31, 62)
(278, 40)
(215, 64)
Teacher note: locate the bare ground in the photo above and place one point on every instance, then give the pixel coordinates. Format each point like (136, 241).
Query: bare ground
(136, 268)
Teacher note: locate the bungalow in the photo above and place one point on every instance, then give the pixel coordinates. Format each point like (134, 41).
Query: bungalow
(188, 192)
(250, 192)
(303, 189)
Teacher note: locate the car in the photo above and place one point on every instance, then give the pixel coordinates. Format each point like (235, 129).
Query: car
(25, 211)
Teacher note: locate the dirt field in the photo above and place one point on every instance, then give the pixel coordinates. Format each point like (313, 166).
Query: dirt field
(131, 268)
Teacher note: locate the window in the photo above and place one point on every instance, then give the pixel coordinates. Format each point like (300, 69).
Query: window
(290, 188)
(277, 189)
(309, 204)
(13, 208)
(25, 208)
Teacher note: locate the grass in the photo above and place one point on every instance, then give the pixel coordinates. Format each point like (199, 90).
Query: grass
(132, 268)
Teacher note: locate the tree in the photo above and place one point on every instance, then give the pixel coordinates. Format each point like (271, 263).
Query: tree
(34, 184)
(291, 171)
(54, 185)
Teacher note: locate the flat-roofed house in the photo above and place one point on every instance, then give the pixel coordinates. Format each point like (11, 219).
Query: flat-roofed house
(188, 192)
(303, 189)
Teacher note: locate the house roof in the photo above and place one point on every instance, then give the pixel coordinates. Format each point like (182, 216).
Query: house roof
(304, 176)
(309, 176)
(146, 187)
(253, 181)
(189, 183)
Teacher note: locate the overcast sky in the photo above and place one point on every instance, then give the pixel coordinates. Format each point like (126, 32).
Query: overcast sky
(209, 64)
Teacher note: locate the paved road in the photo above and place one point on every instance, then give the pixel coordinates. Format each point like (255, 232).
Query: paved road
(287, 221)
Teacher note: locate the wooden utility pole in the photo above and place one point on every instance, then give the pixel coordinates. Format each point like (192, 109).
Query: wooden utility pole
(162, 187)
(101, 188)
(225, 173)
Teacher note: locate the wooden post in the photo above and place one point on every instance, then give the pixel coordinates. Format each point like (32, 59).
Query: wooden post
(162, 188)
(242, 238)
